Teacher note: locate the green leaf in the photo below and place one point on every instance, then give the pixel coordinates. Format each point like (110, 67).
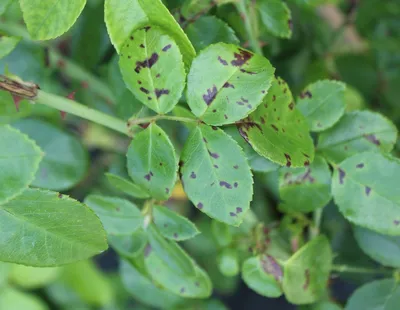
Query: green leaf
(305, 189)
(263, 275)
(379, 294)
(47, 19)
(129, 245)
(128, 106)
(12, 299)
(383, 249)
(56, 231)
(118, 216)
(172, 225)
(152, 162)
(8, 110)
(124, 16)
(19, 161)
(322, 104)
(276, 17)
(216, 175)
(322, 305)
(33, 277)
(306, 273)
(222, 233)
(4, 5)
(365, 187)
(277, 130)
(171, 254)
(226, 83)
(152, 68)
(7, 44)
(209, 30)
(143, 289)
(196, 285)
(127, 187)
(66, 160)
(357, 132)
(228, 262)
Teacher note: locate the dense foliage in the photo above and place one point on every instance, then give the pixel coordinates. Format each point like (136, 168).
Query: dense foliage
(206, 142)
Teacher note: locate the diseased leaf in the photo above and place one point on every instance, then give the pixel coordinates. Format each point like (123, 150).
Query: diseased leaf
(379, 294)
(383, 249)
(19, 161)
(47, 19)
(213, 163)
(263, 275)
(126, 186)
(365, 187)
(305, 189)
(357, 132)
(277, 130)
(276, 17)
(65, 162)
(9, 111)
(129, 246)
(7, 44)
(119, 216)
(124, 16)
(209, 30)
(322, 104)
(12, 299)
(152, 68)
(56, 231)
(152, 162)
(172, 225)
(226, 83)
(306, 273)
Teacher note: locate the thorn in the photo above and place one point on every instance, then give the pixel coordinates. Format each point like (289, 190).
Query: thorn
(17, 100)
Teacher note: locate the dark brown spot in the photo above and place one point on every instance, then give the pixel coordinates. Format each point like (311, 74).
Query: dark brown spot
(200, 205)
(342, 175)
(147, 63)
(158, 75)
(275, 128)
(262, 120)
(59, 195)
(149, 98)
(228, 85)
(193, 175)
(367, 190)
(244, 100)
(235, 167)
(232, 213)
(182, 290)
(359, 166)
(216, 166)
(396, 222)
(139, 82)
(205, 140)
(167, 190)
(288, 160)
(225, 116)
(147, 250)
(307, 282)
(291, 105)
(235, 184)
(214, 110)
(148, 176)
(263, 91)
(239, 210)
(248, 72)
(308, 156)
(270, 266)
(372, 138)
(307, 163)
(249, 106)
(131, 37)
(166, 48)
(213, 155)
(160, 92)
(306, 94)
(161, 164)
(214, 128)
(147, 28)
(144, 125)
(240, 103)
(273, 98)
(241, 58)
(225, 184)
(142, 46)
(224, 62)
(210, 96)
(144, 90)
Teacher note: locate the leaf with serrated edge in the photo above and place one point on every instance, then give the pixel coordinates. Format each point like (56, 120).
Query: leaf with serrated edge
(226, 83)
(366, 189)
(356, 132)
(213, 163)
(119, 216)
(152, 68)
(19, 161)
(152, 162)
(127, 187)
(276, 17)
(58, 230)
(322, 104)
(47, 19)
(172, 225)
(277, 130)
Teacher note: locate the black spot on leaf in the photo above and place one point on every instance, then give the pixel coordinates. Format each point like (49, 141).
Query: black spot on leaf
(235, 167)
(232, 213)
(291, 105)
(274, 127)
(147, 63)
(142, 45)
(148, 176)
(306, 94)
(166, 48)
(210, 96)
(241, 58)
(359, 166)
(372, 138)
(213, 155)
(147, 28)
(224, 62)
(193, 175)
(288, 160)
(199, 205)
(239, 210)
(235, 184)
(147, 250)
(228, 85)
(144, 90)
(270, 266)
(225, 184)
(160, 92)
(342, 175)
(307, 282)
(367, 190)
(248, 72)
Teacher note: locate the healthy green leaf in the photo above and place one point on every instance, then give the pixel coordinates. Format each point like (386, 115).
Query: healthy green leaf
(129, 245)
(143, 289)
(222, 233)
(33, 277)
(66, 160)
(118, 216)
(209, 30)
(4, 5)
(276, 17)
(322, 305)
(172, 225)
(228, 262)
(152, 162)
(124, 16)
(47, 19)
(56, 231)
(8, 110)
(357, 132)
(305, 189)
(306, 273)
(19, 161)
(365, 187)
(263, 275)
(226, 83)
(127, 187)
(192, 8)
(379, 294)
(213, 163)
(7, 44)
(322, 104)
(12, 299)
(128, 106)
(197, 285)
(384, 249)
(277, 130)
(152, 68)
